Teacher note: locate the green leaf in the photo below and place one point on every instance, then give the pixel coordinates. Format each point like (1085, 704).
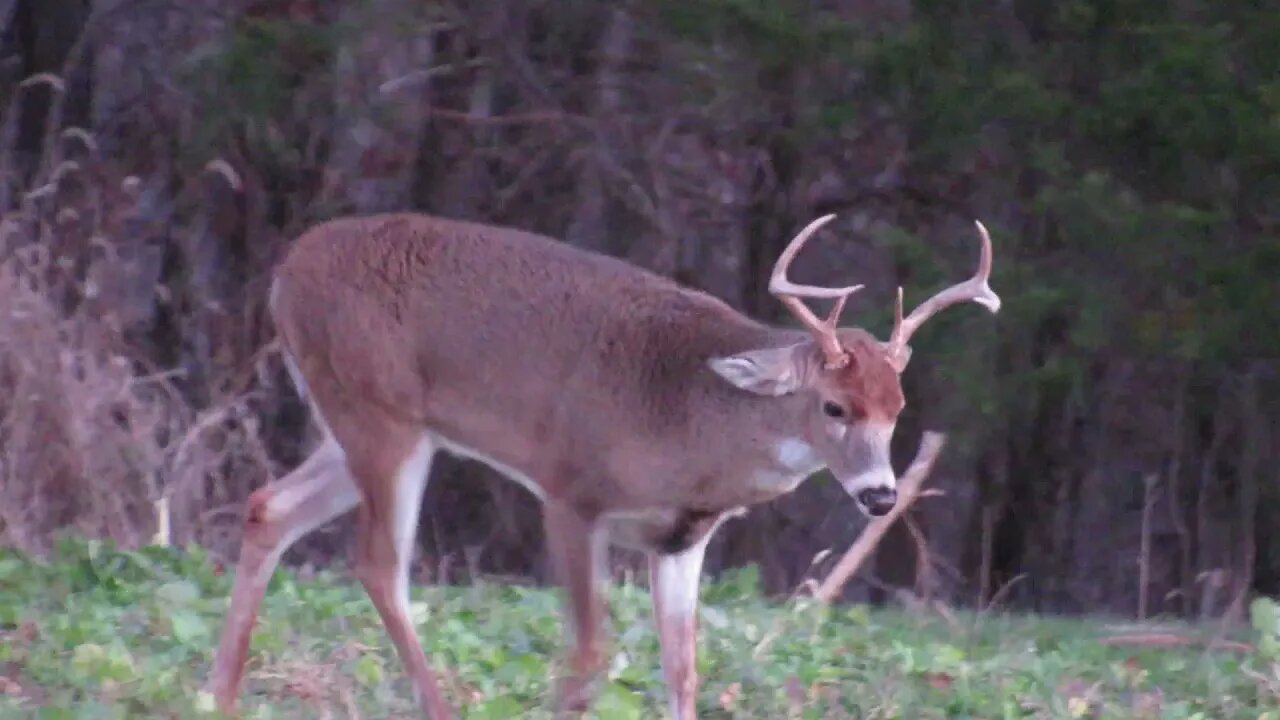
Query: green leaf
(178, 592)
(204, 703)
(189, 628)
(618, 703)
(499, 708)
(87, 657)
(369, 670)
(9, 566)
(1265, 617)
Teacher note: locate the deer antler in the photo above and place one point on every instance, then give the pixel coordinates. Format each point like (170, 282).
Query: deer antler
(824, 331)
(974, 289)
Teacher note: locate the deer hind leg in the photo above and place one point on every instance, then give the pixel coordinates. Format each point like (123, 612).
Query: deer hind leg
(278, 514)
(674, 579)
(577, 547)
(392, 485)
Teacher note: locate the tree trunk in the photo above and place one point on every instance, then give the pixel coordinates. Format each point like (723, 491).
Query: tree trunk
(377, 128)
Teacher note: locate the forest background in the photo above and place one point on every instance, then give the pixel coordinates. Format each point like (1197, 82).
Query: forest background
(1113, 432)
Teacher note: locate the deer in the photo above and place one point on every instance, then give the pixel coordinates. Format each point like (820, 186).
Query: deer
(639, 412)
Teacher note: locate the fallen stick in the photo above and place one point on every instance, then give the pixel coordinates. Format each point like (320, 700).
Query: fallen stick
(1170, 640)
(909, 488)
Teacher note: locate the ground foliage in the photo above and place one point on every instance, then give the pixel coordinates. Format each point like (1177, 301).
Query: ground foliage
(101, 633)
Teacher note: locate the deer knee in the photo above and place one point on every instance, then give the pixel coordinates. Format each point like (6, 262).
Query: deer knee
(261, 519)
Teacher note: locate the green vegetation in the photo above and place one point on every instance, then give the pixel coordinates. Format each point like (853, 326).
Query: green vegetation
(99, 633)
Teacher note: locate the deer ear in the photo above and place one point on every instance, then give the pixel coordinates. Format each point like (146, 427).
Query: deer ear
(771, 371)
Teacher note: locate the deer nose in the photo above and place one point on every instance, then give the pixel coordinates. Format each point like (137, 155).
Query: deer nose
(878, 501)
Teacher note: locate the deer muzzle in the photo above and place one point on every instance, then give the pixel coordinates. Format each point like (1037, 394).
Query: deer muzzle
(877, 501)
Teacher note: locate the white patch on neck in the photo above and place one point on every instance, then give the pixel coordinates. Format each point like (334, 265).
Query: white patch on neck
(794, 460)
(797, 456)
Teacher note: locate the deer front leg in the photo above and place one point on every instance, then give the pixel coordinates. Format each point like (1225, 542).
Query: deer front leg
(673, 581)
(577, 547)
(674, 578)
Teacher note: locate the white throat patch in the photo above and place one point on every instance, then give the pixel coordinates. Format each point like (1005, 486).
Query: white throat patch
(797, 456)
(793, 461)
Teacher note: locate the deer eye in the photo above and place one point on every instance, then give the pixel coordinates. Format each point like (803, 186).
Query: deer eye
(831, 409)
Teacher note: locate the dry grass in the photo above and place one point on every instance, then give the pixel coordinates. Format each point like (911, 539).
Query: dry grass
(95, 440)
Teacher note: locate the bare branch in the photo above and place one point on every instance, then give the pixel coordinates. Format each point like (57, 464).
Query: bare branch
(909, 486)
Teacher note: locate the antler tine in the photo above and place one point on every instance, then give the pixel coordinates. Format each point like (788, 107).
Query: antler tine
(789, 294)
(975, 289)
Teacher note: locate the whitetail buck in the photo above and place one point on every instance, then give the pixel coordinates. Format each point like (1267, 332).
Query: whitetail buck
(636, 410)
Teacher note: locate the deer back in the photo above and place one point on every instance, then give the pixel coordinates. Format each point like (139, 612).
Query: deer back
(547, 359)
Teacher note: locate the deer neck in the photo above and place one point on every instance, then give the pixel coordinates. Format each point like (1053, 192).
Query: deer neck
(760, 440)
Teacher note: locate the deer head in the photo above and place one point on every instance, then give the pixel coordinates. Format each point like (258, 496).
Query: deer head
(847, 381)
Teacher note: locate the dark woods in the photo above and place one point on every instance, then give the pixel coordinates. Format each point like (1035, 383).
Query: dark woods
(1114, 430)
